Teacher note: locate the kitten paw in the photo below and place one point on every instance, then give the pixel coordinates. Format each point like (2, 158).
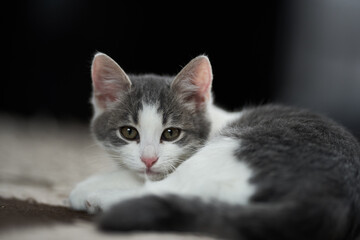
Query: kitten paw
(92, 206)
(98, 191)
(97, 202)
(92, 202)
(102, 200)
(77, 200)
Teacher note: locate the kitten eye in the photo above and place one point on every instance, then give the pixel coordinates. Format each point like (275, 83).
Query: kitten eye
(129, 133)
(170, 134)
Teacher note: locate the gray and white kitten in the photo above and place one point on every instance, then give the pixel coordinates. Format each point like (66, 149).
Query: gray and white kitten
(268, 172)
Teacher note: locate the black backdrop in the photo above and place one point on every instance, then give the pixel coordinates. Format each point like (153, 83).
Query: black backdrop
(49, 45)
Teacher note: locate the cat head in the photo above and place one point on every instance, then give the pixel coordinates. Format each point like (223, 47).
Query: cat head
(148, 123)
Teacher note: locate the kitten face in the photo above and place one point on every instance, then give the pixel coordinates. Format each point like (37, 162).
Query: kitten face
(150, 124)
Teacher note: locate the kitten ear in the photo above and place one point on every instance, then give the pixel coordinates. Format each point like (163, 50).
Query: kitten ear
(193, 83)
(109, 80)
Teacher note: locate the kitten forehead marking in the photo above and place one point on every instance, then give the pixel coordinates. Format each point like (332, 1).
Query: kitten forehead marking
(150, 128)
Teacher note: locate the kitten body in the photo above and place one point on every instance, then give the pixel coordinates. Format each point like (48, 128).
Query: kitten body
(268, 172)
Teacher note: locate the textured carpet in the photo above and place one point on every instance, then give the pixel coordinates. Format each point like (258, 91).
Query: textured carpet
(41, 160)
(16, 213)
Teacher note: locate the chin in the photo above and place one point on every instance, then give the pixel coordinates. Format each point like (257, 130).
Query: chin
(152, 176)
(156, 177)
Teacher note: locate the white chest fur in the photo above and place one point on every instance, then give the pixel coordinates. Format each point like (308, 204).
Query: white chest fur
(212, 173)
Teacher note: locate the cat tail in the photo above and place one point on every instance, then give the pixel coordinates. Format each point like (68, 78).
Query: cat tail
(171, 213)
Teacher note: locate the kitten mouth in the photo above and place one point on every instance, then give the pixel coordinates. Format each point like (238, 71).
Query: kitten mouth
(149, 172)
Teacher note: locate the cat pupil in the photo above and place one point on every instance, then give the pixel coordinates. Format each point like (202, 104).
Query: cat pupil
(170, 134)
(129, 133)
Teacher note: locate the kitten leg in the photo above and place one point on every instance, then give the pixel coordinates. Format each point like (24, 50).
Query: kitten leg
(119, 180)
(103, 200)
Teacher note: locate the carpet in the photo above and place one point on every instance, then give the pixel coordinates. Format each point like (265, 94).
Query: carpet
(41, 161)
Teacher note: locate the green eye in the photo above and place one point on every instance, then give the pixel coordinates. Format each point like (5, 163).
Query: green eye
(129, 133)
(170, 134)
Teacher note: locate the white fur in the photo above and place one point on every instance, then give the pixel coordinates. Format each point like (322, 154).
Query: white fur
(151, 128)
(121, 179)
(219, 119)
(214, 173)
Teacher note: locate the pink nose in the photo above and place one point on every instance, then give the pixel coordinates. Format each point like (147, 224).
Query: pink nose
(149, 161)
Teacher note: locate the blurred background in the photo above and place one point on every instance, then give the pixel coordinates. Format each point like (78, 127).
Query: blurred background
(304, 53)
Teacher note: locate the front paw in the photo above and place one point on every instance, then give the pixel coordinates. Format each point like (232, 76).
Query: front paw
(92, 202)
(100, 201)
(103, 200)
(82, 198)
(77, 199)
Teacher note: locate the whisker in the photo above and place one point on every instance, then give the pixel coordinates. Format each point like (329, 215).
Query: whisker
(91, 146)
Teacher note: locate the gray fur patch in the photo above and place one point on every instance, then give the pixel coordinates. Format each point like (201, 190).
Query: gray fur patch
(294, 151)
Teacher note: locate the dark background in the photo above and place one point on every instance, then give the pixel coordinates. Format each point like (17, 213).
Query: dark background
(252, 45)
(50, 44)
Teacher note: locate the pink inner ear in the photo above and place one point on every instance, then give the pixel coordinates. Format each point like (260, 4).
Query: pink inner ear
(103, 94)
(103, 89)
(108, 80)
(203, 79)
(193, 82)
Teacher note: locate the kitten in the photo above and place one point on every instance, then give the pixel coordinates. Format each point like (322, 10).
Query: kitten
(267, 172)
